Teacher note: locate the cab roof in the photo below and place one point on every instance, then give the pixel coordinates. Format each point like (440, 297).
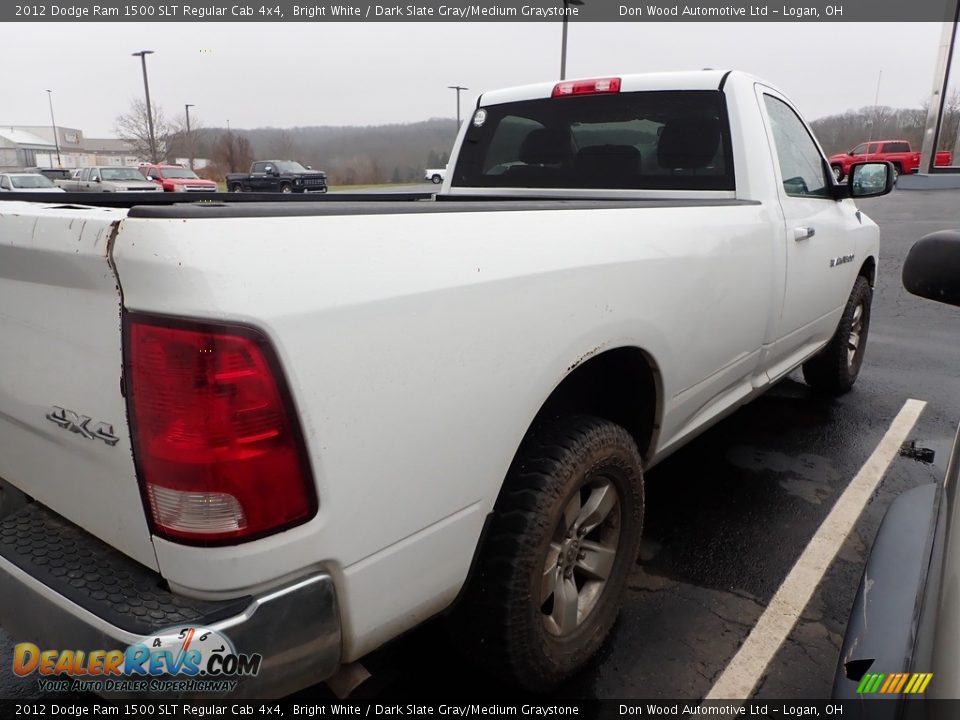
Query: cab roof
(681, 80)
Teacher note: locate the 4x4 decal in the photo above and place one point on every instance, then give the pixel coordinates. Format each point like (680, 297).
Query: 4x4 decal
(82, 425)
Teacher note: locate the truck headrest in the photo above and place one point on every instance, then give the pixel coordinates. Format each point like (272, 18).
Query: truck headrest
(544, 146)
(688, 143)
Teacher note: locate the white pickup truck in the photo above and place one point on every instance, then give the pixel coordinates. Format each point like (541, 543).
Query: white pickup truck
(435, 175)
(311, 426)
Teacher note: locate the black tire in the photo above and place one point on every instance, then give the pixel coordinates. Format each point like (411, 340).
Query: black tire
(835, 368)
(896, 172)
(236, 187)
(837, 172)
(436, 179)
(507, 616)
(286, 188)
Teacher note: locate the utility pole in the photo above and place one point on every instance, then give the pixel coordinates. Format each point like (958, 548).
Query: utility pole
(458, 88)
(876, 109)
(142, 54)
(56, 135)
(563, 38)
(189, 136)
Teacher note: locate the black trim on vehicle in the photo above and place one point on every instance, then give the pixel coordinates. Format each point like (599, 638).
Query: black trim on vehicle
(83, 200)
(723, 80)
(451, 204)
(100, 579)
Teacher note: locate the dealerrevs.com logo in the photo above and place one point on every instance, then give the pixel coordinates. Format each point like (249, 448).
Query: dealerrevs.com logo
(183, 659)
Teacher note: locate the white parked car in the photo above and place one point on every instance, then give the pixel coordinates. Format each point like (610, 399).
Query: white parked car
(318, 424)
(26, 182)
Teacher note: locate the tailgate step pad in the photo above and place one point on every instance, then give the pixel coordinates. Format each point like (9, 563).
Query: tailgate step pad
(100, 579)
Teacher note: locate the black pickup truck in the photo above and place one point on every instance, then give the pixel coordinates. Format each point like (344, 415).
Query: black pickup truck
(286, 176)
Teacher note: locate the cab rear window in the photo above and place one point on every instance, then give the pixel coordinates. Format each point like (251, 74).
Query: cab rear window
(663, 140)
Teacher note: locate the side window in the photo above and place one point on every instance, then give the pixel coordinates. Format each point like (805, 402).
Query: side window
(874, 148)
(4, 183)
(801, 164)
(896, 147)
(259, 167)
(860, 149)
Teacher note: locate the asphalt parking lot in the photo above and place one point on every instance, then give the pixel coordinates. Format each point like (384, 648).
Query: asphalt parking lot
(728, 516)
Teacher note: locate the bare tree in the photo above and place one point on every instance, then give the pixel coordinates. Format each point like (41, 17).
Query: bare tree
(356, 170)
(182, 143)
(134, 127)
(950, 126)
(282, 147)
(233, 153)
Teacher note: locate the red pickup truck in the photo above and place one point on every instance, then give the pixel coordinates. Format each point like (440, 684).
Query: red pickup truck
(904, 158)
(176, 178)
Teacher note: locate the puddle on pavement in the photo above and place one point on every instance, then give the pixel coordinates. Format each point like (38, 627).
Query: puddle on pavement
(809, 477)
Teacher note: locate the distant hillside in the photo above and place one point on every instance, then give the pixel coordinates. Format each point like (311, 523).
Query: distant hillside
(349, 155)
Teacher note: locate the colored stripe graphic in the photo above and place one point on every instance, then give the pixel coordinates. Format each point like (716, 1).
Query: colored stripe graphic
(870, 683)
(894, 683)
(903, 681)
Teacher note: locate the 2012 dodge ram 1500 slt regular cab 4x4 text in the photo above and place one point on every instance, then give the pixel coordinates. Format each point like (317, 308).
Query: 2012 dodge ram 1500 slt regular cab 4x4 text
(311, 425)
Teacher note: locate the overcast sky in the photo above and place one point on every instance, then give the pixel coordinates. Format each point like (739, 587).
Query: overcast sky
(292, 74)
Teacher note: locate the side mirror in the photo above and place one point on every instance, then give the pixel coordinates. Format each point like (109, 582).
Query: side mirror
(932, 267)
(871, 179)
(309, 167)
(96, 179)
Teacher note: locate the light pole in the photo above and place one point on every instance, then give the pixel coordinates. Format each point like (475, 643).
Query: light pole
(458, 88)
(189, 136)
(563, 39)
(142, 54)
(56, 138)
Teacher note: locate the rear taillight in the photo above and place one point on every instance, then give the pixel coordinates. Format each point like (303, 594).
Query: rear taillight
(597, 86)
(218, 448)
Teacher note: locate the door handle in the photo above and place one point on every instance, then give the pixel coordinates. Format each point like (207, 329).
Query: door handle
(803, 233)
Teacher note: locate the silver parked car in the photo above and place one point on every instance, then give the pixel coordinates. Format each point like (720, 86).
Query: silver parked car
(26, 182)
(901, 640)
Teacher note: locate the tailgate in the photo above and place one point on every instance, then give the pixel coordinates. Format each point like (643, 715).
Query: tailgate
(64, 437)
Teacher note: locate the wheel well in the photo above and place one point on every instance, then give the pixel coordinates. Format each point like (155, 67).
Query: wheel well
(621, 385)
(869, 270)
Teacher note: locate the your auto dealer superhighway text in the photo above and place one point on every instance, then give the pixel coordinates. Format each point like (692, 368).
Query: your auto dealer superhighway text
(455, 710)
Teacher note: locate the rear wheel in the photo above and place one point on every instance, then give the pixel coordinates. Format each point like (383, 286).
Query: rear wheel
(436, 179)
(236, 187)
(896, 173)
(836, 367)
(837, 172)
(561, 544)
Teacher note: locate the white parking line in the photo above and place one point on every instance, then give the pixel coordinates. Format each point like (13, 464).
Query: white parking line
(741, 675)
